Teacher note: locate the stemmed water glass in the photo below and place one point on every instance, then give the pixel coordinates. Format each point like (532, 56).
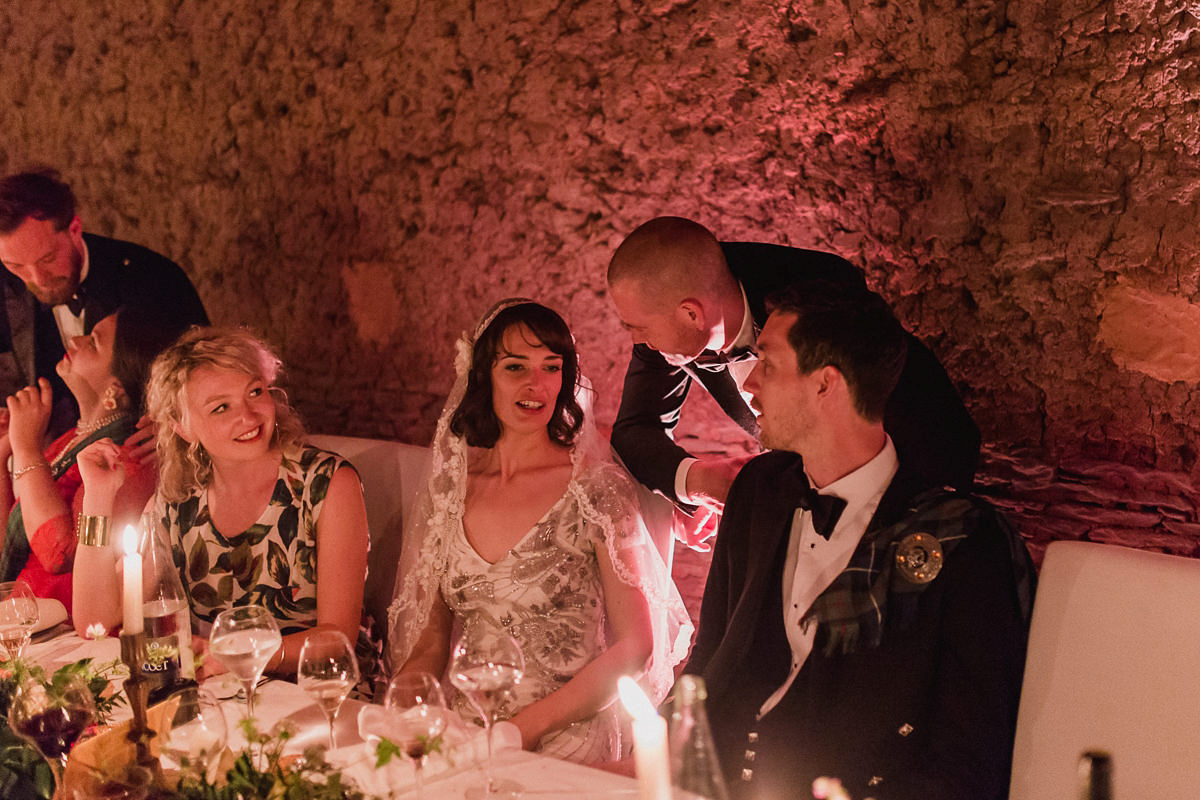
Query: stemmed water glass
(244, 639)
(327, 670)
(487, 663)
(420, 716)
(18, 618)
(195, 736)
(52, 717)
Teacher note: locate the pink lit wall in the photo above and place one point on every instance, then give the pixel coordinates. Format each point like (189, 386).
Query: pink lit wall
(359, 181)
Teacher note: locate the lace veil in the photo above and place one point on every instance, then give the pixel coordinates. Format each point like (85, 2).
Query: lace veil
(608, 500)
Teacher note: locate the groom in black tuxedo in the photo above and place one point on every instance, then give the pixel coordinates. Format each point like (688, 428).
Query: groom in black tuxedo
(855, 623)
(694, 307)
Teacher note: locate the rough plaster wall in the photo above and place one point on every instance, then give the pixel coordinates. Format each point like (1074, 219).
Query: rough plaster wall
(360, 180)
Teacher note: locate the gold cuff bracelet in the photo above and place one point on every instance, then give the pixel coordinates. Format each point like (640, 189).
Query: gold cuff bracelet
(93, 530)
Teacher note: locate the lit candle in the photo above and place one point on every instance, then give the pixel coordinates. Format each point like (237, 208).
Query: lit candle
(132, 588)
(649, 742)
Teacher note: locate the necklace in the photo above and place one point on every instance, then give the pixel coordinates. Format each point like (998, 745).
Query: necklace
(92, 427)
(81, 433)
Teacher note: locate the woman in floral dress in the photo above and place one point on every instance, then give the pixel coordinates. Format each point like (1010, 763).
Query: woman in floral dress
(527, 528)
(255, 517)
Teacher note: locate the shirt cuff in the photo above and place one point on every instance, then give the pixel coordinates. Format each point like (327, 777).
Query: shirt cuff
(681, 473)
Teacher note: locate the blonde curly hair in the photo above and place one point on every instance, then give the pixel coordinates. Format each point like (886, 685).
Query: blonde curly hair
(184, 466)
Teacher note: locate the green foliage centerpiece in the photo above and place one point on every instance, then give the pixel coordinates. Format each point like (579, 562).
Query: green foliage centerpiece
(24, 774)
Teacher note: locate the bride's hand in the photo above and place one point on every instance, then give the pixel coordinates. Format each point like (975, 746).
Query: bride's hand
(531, 733)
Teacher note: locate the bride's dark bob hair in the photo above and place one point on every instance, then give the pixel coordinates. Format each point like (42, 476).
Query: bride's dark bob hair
(475, 418)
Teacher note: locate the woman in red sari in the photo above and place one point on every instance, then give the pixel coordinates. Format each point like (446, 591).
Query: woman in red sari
(106, 372)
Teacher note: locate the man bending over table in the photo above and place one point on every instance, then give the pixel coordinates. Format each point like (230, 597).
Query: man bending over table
(856, 624)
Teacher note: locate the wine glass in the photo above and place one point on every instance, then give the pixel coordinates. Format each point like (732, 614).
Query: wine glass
(195, 736)
(420, 716)
(18, 617)
(487, 663)
(328, 670)
(244, 639)
(52, 717)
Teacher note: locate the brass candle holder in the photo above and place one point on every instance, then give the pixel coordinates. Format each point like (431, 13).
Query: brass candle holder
(137, 690)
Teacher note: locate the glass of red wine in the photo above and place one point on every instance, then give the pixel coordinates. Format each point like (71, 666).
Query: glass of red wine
(52, 716)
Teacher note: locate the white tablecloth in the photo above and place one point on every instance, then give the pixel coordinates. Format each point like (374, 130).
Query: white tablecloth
(542, 777)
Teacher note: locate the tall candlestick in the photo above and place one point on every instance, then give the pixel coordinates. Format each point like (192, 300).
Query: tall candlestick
(649, 742)
(131, 597)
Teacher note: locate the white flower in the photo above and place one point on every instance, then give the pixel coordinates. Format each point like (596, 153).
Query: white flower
(96, 631)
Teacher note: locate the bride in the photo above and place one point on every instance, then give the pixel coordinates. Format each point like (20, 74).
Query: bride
(525, 529)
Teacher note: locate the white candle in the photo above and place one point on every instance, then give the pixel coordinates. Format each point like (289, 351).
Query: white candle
(131, 595)
(649, 742)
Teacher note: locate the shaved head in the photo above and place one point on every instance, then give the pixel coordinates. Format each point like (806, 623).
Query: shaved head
(670, 258)
(673, 289)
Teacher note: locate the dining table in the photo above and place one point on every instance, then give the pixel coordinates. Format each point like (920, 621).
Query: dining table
(279, 702)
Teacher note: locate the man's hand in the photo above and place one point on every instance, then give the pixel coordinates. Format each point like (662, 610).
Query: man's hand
(140, 444)
(708, 482)
(695, 531)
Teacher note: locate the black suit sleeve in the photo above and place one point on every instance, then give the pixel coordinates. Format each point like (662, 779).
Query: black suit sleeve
(123, 274)
(651, 400)
(165, 287)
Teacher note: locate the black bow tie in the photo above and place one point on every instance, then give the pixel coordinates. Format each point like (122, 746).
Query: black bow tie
(825, 509)
(75, 304)
(716, 361)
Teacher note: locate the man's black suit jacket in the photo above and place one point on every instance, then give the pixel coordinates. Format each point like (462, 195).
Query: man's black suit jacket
(120, 274)
(931, 712)
(931, 428)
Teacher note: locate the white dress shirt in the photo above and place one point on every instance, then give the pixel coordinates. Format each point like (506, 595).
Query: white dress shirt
(739, 371)
(813, 562)
(69, 325)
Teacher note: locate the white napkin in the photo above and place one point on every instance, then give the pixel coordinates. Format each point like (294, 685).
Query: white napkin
(463, 746)
(50, 613)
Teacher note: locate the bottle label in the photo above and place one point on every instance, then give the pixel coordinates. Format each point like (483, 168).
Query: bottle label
(162, 660)
(168, 634)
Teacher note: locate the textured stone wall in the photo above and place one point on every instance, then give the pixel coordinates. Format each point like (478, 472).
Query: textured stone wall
(360, 180)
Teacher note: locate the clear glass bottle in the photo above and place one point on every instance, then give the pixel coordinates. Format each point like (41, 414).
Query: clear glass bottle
(169, 664)
(694, 764)
(1095, 776)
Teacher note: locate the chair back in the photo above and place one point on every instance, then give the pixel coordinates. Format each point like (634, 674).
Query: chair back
(391, 473)
(1114, 656)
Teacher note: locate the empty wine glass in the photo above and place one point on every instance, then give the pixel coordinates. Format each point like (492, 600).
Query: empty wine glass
(195, 736)
(420, 717)
(244, 639)
(52, 717)
(487, 663)
(18, 618)
(328, 670)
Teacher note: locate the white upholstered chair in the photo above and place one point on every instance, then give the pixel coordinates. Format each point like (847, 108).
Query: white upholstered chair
(1113, 664)
(391, 473)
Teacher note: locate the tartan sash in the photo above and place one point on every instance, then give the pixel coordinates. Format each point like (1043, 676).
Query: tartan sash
(871, 593)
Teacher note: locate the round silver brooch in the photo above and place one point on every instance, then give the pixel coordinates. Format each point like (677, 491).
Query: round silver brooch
(919, 557)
